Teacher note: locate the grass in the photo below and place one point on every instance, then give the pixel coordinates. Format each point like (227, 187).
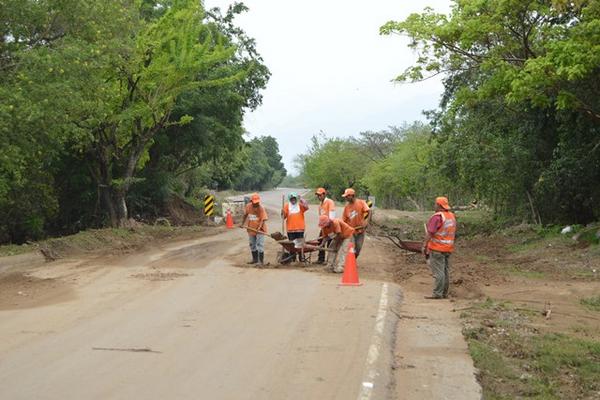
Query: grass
(533, 241)
(514, 360)
(592, 303)
(524, 273)
(14, 249)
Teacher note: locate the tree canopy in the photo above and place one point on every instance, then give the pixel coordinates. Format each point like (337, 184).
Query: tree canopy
(518, 123)
(108, 105)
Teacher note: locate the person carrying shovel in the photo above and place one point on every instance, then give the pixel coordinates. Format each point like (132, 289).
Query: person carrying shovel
(356, 214)
(293, 214)
(256, 215)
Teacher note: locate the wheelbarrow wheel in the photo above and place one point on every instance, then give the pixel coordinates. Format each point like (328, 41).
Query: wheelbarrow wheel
(286, 258)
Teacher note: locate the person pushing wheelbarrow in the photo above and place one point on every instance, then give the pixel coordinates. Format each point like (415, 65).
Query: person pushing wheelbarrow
(293, 214)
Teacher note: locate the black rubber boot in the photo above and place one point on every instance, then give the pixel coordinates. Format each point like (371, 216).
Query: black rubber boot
(261, 258)
(321, 259)
(254, 258)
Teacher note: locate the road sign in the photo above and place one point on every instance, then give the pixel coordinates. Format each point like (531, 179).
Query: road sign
(209, 205)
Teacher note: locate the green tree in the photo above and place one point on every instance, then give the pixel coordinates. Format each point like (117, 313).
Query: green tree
(520, 103)
(92, 90)
(208, 152)
(335, 164)
(406, 176)
(43, 47)
(263, 168)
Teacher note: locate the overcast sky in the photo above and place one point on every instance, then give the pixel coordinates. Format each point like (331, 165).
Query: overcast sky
(331, 69)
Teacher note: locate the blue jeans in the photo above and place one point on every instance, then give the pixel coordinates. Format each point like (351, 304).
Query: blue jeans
(257, 243)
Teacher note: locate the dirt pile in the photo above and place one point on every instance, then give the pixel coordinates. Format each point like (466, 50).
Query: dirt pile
(180, 212)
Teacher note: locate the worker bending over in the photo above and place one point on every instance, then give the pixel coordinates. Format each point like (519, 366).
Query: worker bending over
(293, 214)
(326, 207)
(257, 217)
(438, 245)
(340, 234)
(356, 214)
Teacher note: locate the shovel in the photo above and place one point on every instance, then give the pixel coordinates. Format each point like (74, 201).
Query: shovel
(275, 235)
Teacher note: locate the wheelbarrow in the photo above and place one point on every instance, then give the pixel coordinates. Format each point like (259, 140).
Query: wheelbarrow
(412, 246)
(301, 247)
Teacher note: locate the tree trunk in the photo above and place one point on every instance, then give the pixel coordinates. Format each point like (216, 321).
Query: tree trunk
(534, 213)
(121, 208)
(107, 199)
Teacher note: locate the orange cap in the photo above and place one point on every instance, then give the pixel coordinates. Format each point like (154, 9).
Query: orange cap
(323, 221)
(321, 191)
(349, 192)
(442, 202)
(255, 198)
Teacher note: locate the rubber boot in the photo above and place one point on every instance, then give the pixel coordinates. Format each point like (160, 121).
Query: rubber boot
(254, 258)
(261, 258)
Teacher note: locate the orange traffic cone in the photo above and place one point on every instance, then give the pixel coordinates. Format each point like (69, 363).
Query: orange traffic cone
(350, 277)
(229, 220)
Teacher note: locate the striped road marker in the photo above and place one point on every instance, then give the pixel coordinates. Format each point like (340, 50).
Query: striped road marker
(209, 205)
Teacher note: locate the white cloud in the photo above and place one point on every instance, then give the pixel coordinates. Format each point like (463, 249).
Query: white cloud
(331, 70)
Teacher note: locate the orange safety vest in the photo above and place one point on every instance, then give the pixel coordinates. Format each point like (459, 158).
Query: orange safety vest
(294, 216)
(327, 208)
(443, 239)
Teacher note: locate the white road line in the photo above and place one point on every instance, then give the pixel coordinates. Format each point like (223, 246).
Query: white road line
(371, 373)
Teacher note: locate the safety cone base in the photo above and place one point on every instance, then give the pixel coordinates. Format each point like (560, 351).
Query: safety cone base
(350, 284)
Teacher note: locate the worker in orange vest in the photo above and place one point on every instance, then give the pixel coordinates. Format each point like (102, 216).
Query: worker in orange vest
(439, 245)
(326, 207)
(293, 214)
(341, 235)
(256, 215)
(356, 214)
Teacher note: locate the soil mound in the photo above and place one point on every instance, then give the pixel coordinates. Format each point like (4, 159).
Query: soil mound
(180, 212)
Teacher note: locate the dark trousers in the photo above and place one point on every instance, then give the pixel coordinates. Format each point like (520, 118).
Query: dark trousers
(325, 242)
(291, 236)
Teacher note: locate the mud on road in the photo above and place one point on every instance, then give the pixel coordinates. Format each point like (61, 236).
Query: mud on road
(216, 328)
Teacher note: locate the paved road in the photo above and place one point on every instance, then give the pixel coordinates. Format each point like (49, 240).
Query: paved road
(181, 321)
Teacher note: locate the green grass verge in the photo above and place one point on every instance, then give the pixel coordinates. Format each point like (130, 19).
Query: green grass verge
(514, 360)
(592, 303)
(524, 273)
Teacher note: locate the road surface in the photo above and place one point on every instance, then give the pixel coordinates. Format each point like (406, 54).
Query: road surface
(184, 320)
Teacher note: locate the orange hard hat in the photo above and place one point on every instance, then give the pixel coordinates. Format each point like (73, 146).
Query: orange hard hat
(321, 191)
(324, 221)
(255, 198)
(349, 192)
(442, 202)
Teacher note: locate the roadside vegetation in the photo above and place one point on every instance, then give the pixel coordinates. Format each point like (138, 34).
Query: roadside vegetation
(593, 303)
(516, 360)
(110, 110)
